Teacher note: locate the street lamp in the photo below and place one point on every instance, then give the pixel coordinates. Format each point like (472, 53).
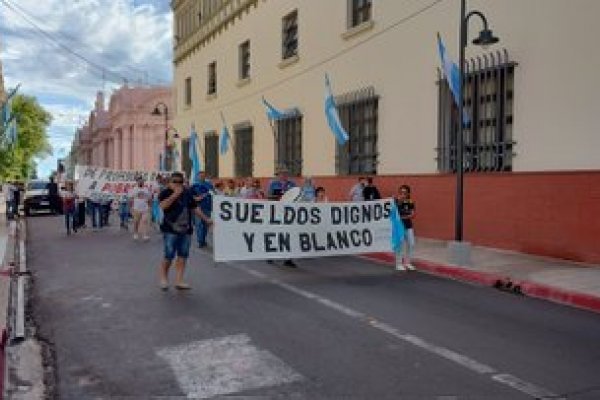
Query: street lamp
(162, 109)
(485, 38)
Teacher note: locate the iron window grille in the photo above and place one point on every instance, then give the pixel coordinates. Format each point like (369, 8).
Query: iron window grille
(245, 60)
(212, 78)
(361, 11)
(290, 35)
(358, 113)
(288, 144)
(244, 151)
(211, 154)
(188, 91)
(488, 103)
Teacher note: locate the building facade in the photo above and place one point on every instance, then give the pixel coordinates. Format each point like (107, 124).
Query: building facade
(126, 135)
(530, 101)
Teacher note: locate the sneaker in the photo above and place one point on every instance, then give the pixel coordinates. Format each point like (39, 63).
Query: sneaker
(135, 236)
(146, 238)
(164, 285)
(410, 267)
(290, 263)
(400, 267)
(182, 286)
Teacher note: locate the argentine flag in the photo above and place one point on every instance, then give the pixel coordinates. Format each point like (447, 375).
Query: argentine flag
(224, 140)
(333, 119)
(193, 154)
(452, 74)
(397, 229)
(273, 113)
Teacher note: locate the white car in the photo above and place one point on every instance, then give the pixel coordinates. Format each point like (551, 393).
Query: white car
(36, 197)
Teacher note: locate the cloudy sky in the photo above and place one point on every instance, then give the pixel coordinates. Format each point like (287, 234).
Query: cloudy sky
(64, 51)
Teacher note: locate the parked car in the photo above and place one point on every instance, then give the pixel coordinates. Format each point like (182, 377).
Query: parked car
(36, 197)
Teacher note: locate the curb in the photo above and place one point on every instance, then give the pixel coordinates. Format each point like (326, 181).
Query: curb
(528, 288)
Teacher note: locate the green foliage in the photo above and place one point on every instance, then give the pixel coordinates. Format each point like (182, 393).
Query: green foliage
(17, 159)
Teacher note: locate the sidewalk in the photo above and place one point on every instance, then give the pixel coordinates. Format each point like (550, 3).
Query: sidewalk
(561, 281)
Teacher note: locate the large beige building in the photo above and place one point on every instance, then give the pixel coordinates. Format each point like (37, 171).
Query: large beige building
(536, 91)
(532, 100)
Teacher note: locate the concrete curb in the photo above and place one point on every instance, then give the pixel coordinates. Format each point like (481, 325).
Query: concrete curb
(528, 288)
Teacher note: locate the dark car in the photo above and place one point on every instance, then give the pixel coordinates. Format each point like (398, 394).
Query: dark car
(36, 197)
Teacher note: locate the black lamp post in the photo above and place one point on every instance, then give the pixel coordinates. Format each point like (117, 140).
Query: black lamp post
(486, 37)
(162, 109)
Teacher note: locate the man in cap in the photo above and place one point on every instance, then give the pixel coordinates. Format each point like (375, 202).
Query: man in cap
(276, 189)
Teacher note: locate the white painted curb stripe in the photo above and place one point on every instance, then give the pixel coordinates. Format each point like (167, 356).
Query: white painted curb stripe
(509, 380)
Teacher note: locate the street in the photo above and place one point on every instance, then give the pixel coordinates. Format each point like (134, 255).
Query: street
(339, 327)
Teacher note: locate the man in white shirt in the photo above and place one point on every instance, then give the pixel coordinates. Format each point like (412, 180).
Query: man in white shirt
(140, 206)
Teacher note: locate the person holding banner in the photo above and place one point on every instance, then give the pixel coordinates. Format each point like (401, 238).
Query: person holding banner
(140, 202)
(202, 191)
(277, 188)
(406, 209)
(178, 204)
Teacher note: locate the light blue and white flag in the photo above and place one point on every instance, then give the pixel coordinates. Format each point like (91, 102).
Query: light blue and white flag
(452, 74)
(193, 153)
(397, 229)
(224, 138)
(8, 120)
(333, 119)
(275, 114)
(161, 162)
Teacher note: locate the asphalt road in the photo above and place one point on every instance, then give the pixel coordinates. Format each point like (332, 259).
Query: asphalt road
(333, 328)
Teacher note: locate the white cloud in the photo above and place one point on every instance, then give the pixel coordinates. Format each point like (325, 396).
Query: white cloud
(128, 38)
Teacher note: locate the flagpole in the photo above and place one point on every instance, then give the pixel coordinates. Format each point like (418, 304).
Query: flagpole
(276, 141)
(458, 234)
(198, 141)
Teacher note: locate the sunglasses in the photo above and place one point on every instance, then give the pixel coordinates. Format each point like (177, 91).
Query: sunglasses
(177, 181)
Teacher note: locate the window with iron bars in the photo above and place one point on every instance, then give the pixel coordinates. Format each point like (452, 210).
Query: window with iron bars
(288, 145)
(186, 161)
(358, 113)
(211, 154)
(245, 60)
(488, 103)
(360, 11)
(212, 78)
(290, 35)
(244, 151)
(188, 91)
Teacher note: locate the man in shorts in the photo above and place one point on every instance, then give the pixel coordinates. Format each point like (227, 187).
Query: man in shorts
(178, 204)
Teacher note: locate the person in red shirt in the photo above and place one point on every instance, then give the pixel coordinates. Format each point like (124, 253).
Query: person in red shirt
(68, 198)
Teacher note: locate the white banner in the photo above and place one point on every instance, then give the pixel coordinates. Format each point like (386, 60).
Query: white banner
(109, 182)
(255, 229)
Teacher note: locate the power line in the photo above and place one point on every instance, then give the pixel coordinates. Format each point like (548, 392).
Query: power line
(324, 61)
(103, 70)
(75, 40)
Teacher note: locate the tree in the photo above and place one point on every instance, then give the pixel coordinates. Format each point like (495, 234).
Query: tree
(17, 159)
